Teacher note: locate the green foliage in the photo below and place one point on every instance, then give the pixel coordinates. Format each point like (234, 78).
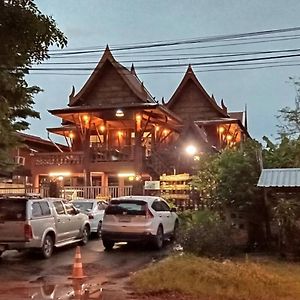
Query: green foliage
(289, 118)
(229, 179)
(285, 154)
(25, 35)
(203, 233)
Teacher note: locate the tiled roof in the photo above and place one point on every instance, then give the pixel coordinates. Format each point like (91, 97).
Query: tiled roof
(289, 177)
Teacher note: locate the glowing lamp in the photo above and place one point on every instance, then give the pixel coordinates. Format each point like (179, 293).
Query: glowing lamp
(229, 137)
(86, 118)
(102, 128)
(71, 135)
(190, 150)
(221, 129)
(119, 113)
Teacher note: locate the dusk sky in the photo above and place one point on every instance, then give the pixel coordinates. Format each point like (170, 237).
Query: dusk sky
(91, 24)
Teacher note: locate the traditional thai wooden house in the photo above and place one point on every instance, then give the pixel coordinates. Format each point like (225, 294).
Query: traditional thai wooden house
(118, 134)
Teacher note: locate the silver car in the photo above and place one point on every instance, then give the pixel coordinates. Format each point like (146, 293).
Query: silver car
(27, 223)
(94, 208)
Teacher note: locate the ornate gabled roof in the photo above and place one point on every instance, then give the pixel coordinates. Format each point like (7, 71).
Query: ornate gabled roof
(129, 76)
(190, 76)
(191, 131)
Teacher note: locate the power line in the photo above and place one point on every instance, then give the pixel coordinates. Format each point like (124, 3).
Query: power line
(187, 57)
(183, 42)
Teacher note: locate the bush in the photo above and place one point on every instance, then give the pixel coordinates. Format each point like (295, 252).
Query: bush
(204, 233)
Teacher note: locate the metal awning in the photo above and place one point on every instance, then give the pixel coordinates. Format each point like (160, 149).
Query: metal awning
(288, 177)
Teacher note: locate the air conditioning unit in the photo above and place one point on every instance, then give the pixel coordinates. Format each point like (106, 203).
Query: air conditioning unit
(20, 160)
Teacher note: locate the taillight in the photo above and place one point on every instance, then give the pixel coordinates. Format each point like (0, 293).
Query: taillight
(149, 214)
(91, 217)
(27, 232)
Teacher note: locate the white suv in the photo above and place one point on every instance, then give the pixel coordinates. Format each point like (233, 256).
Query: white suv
(138, 218)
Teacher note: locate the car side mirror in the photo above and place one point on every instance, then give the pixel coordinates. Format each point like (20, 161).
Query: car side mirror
(173, 209)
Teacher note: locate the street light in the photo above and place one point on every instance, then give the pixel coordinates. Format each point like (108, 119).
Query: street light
(191, 150)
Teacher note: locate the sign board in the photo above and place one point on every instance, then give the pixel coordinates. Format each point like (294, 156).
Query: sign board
(152, 185)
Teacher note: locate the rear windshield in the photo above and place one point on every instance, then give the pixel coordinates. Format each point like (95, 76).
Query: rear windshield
(126, 207)
(85, 206)
(12, 210)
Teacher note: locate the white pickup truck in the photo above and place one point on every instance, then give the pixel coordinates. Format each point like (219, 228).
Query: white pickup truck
(27, 223)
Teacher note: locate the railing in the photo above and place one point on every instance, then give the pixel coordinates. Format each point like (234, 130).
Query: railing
(65, 158)
(42, 191)
(74, 192)
(97, 154)
(93, 192)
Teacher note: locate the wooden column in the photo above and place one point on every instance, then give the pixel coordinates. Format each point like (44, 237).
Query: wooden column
(138, 156)
(86, 158)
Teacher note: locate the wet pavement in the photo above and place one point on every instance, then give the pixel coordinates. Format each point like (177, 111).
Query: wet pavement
(27, 276)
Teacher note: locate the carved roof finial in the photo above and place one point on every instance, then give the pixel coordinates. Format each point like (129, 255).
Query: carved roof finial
(224, 107)
(246, 118)
(72, 93)
(132, 70)
(163, 101)
(190, 70)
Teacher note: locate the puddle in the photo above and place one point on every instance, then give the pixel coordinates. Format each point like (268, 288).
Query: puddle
(74, 290)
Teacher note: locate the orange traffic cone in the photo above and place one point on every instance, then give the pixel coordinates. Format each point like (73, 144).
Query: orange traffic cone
(77, 287)
(77, 272)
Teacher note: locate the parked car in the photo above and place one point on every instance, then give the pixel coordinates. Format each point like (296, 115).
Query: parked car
(94, 208)
(138, 218)
(31, 223)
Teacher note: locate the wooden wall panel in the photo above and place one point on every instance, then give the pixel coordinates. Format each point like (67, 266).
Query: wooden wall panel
(193, 105)
(110, 88)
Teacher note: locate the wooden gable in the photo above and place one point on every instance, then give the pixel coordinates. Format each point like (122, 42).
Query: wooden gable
(191, 102)
(111, 84)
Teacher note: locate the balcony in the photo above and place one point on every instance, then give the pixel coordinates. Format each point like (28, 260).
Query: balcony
(97, 154)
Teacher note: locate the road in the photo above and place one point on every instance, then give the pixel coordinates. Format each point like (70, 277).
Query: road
(27, 276)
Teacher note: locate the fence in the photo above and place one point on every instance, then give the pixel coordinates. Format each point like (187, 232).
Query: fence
(93, 192)
(71, 193)
(42, 191)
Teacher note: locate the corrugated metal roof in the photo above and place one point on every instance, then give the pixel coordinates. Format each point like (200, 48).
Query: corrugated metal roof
(289, 177)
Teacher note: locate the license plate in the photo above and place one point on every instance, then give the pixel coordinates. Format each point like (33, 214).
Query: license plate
(124, 219)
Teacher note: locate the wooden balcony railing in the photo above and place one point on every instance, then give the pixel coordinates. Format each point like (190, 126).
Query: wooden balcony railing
(76, 158)
(56, 159)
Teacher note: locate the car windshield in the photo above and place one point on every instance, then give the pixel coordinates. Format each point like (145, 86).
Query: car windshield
(12, 209)
(124, 206)
(85, 206)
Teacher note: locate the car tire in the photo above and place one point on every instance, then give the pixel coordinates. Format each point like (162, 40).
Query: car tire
(47, 247)
(98, 233)
(159, 238)
(108, 245)
(175, 232)
(85, 235)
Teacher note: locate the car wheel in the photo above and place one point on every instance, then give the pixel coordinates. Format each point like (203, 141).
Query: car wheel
(159, 238)
(85, 235)
(175, 231)
(47, 247)
(98, 233)
(108, 245)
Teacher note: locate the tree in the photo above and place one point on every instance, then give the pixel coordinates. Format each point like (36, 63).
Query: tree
(285, 154)
(229, 178)
(26, 35)
(289, 118)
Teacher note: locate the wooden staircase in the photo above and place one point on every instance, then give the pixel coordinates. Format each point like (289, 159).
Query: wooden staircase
(157, 164)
